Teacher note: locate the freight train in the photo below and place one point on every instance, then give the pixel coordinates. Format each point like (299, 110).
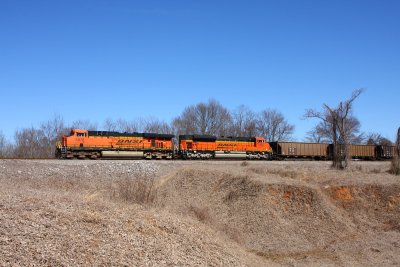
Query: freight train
(104, 144)
(83, 144)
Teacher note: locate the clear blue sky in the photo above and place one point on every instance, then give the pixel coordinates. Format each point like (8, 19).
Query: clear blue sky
(125, 59)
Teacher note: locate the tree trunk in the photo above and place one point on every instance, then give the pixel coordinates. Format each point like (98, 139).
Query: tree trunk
(398, 142)
(398, 150)
(395, 168)
(346, 152)
(336, 157)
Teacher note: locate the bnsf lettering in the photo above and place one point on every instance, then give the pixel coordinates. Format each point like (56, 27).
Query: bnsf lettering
(225, 145)
(129, 141)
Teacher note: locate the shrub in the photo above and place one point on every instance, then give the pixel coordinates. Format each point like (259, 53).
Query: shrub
(395, 166)
(244, 163)
(139, 189)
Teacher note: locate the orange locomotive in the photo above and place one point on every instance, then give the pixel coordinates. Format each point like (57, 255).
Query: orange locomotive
(104, 144)
(208, 146)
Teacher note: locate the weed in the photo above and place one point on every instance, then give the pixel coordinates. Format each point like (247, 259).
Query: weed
(91, 217)
(375, 170)
(140, 189)
(244, 163)
(395, 166)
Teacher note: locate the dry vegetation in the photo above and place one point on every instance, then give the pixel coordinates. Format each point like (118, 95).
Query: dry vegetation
(198, 213)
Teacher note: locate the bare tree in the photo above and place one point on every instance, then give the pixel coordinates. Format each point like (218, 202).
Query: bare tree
(153, 125)
(314, 136)
(38, 142)
(84, 124)
(352, 130)
(109, 125)
(129, 126)
(377, 139)
(273, 126)
(122, 125)
(244, 122)
(322, 132)
(6, 148)
(3, 143)
(395, 166)
(30, 143)
(52, 130)
(203, 118)
(341, 126)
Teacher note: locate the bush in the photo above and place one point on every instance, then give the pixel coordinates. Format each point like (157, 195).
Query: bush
(395, 166)
(244, 163)
(139, 189)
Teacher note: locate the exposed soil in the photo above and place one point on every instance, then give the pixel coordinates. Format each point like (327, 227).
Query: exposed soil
(214, 213)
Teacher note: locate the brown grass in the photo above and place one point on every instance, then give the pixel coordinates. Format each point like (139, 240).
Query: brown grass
(91, 217)
(244, 163)
(395, 165)
(202, 214)
(284, 173)
(233, 233)
(375, 170)
(137, 189)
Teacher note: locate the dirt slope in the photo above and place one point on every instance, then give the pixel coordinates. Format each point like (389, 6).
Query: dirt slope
(57, 213)
(290, 220)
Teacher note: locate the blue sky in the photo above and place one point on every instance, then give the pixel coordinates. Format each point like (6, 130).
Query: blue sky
(126, 59)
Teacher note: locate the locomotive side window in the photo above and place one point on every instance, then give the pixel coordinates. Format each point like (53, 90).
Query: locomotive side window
(80, 134)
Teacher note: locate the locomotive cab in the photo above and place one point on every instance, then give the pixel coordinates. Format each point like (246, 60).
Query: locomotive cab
(260, 141)
(78, 133)
(77, 137)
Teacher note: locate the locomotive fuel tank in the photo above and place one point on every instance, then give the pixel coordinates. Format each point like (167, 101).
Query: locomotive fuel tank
(230, 155)
(122, 154)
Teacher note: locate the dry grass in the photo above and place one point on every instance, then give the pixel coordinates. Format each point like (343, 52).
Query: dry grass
(91, 217)
(137, 189)
(231, 232)
(395, 165)
(59, 213)
(375, 170)
(215, 213)
(202, 214)
(282, 172)
(244, 163)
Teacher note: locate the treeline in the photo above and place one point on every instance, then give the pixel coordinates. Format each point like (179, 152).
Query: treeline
(203, 118)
